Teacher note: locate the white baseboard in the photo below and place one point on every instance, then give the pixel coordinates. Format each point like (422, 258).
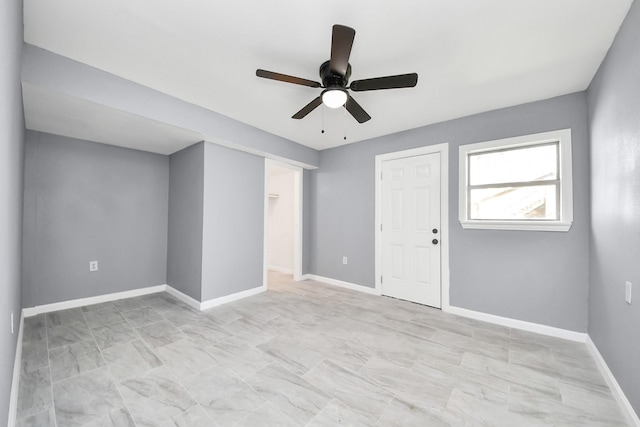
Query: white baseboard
(191, 302)
(233, 297)
(47, 308)
(340, 283)
(518, 324)
(625, 405)
(280, 269)
(34, 311)
(15, 383)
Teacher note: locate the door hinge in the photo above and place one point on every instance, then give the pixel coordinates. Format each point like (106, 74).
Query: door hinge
(381, 175)
(380, 279)
(380, 227)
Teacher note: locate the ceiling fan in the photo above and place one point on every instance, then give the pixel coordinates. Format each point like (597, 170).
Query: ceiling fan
(335, 75)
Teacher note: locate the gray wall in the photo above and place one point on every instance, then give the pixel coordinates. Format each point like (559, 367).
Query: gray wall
(186, 197)
(11, 172)
(614, 121)
(539, 277)
(85, 201)
(233, 229)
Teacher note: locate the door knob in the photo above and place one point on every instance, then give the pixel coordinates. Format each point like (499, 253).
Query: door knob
(435, 231)
(434, 241)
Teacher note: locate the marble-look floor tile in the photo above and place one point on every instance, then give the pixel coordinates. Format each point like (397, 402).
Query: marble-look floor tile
(193, 417)
(74, 359)
(160, 333)
(513, 374)
(403, 414)
(128, 304)
(295, 355)
(335, 414)
(541, 410)
(408, 385)
(34, 393)
(471, 345)
(155, 397)
(164, 303)
(130, 360)
(393, 346)
(378, 361)
(34, 328)
(222, 314)
(185, 358)
(464, 409)
(103, 317)
(568, 371)
(34, 355)
(116, 418)
(234, 354)
(267, 415)
(590, 401)
(45, 418)
(141, 316)
(114, 334)
(182, 316)
(361, 394)
(85, 398)
(417, 330)
(443, 323)
(229, 401)
(99, 306)
(204, 330)
(72, 333)
(349, 356)
(64, 317)
(290, 393)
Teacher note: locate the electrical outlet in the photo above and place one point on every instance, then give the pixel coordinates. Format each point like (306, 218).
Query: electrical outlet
(12, 323)
(627, 292)
(93, 265)
(344, 259)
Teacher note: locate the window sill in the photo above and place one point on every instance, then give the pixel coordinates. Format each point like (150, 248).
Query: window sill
(516, 225)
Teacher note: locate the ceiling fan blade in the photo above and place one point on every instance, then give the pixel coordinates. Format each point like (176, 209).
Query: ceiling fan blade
(388, 82)
(308, 108)
(341, 43)
(285, 78)
(356, 110)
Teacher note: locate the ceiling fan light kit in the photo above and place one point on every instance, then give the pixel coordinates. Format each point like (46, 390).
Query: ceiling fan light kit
(334, 98)
(335, 75)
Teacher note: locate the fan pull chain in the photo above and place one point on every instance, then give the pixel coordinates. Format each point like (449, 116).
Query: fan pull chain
(322, 131)
(344, 123)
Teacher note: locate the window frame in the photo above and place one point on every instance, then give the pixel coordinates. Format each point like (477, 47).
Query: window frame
(565, 187)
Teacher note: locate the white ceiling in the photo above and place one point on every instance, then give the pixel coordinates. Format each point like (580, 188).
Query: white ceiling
(471, 56)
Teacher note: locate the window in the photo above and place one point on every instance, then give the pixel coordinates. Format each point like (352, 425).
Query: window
(521, 183)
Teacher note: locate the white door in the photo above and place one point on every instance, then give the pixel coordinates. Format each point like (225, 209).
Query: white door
(411, 229)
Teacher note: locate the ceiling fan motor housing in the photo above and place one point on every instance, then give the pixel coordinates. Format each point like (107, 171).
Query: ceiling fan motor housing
(332, 80)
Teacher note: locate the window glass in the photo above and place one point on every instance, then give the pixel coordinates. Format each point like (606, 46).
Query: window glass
(536, 162)
(537, 202)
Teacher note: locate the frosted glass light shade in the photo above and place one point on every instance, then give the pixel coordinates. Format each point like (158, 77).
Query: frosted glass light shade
(334, 98)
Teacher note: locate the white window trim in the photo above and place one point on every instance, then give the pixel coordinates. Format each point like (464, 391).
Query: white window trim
(565, 174)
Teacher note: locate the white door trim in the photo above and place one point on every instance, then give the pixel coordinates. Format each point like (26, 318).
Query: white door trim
(297, 215)
(443, 149)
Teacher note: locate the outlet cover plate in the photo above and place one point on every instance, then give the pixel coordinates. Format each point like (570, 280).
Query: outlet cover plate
(93, 265)
(627, 292)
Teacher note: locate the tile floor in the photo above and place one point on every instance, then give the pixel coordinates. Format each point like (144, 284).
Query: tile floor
(301, 354)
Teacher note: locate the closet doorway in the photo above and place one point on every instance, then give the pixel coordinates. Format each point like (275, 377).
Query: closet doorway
(283, 219)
